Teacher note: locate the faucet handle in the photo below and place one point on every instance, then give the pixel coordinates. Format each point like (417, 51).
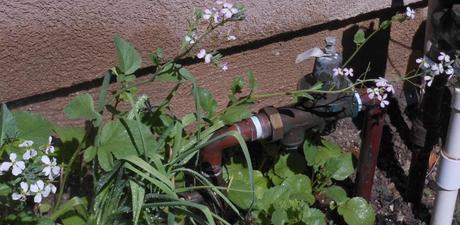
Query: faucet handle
(310, 53)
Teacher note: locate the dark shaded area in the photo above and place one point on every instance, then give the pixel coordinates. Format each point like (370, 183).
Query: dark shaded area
(87, 85)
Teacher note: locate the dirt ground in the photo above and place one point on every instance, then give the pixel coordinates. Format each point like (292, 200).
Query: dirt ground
(392, 172)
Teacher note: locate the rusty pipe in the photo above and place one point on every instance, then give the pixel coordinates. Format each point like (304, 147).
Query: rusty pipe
(369, 151)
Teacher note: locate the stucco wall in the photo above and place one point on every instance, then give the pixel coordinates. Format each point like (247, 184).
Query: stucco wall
(49, 45)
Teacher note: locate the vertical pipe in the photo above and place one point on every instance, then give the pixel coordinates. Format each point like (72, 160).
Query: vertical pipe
(370, 147)
(448, 178)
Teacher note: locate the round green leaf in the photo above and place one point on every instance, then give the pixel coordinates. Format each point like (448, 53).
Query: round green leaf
(357, 211)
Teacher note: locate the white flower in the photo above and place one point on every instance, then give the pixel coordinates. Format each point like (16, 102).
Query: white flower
(202, 54)
(410, 13)
(191, 38)
(437, 69)
(40, 191)
(18, 166)
(29, 154)
(389, 88)
(49, 148)
(337, 72)
(383, 101)
(429, 80)
(421, 60)
(444, 57)
(26, 144)
(348, 72)
(24, 191)
(228, 11)
(373, 92)
(51, 188)
(51, 168)
(224, 66)
(381, 82)
(207, 14)
(231, 38)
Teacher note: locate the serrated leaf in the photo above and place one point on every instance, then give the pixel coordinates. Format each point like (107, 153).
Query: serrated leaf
(32, 126)
(81, 107)
(236, 113)
(279, 217)
(312, 216)
(357, 211)
(207, 102)
(186, 74)
(237, 85)
(128, 58)
(317, 156)
(336, 193)
(359, 37)
(299, 187)
(8, 128)
(239, 190)
(340, 167)
(289, 165)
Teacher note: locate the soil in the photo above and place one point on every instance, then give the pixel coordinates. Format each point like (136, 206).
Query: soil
(388, 195)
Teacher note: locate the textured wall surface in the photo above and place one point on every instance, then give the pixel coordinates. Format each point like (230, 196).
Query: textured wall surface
(49, 44)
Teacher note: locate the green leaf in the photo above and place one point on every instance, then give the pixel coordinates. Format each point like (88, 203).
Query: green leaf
(8, 127)
(357, 211)
(71, 138)
(128, 58)
(279, 217)
(385, 24)
(156, 57)
(239, 187)
(4, 190)
(45, 221)
(237, 85)
(252, 81)
(207, 102)
(44, 208)
(74, 204)
(137, 197)
(336, 193)
(89, 154)
(122, 138)
(236, 113)
(289, 165)
(317, 156)
(359, 38)
(311, 216)
(186, 74)
(299, 187)
(340, 167)
(33, 127)
(81, 107)
(103, 92)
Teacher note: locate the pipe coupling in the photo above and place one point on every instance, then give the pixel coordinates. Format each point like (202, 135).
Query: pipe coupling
(448, 176)
(275, 121)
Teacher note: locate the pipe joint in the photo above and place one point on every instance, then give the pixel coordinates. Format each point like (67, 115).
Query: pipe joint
(448, 175)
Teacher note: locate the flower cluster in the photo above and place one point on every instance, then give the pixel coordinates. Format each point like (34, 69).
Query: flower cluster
(221, 12)
(348, 72)
(380, 91)
(410, 13)
(444, 66)
(33, 170)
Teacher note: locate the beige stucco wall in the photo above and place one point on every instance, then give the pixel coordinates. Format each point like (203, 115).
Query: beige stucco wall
(47, 45)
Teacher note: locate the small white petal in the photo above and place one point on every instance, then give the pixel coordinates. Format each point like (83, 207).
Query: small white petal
(231, 38)
(16, 170)
(208, 58)
(21, 165)
(16, 196)
(56, 170)
(46, 160)
(24, 187)
(38, 198)
(201, 54)
(40, 184)
(13, 157)
(5, 166)
(47, 170)
(34, 188)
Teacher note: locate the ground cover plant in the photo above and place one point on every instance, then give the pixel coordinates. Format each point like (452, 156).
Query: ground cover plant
(136, 164)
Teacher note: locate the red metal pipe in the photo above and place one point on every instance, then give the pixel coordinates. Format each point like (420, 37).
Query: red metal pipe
(369, 151)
